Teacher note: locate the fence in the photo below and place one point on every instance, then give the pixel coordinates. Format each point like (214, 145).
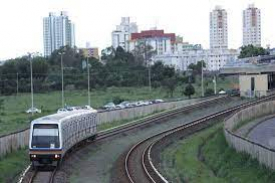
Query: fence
(264, 155)
(17, 140)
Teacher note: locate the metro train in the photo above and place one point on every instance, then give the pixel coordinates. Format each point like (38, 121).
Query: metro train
(52, 136)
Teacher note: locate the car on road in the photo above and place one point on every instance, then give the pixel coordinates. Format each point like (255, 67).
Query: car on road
(33, 110)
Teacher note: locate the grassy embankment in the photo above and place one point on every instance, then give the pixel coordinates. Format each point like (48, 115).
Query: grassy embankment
(15, 118)
(12, 165)
(214, 161)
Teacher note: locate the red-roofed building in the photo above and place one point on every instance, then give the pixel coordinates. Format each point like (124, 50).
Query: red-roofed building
(162, 42)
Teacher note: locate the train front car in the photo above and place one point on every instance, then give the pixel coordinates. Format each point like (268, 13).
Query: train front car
(45, 146)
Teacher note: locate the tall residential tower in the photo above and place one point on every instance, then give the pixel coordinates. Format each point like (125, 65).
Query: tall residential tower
(58, 31)
(252, 26)
(122, 34)
(218, 29)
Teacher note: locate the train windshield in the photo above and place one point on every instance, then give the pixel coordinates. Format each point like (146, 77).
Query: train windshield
(45, 136)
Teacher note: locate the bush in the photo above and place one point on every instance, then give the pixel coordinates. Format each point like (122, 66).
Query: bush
(118, 100)
(209, 91)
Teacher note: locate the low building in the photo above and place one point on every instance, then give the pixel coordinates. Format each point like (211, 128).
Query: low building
(214, 59)
(90, 52)
(256, 74)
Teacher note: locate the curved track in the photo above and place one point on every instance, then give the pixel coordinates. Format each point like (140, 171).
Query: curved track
(138, 164)
(48, 176)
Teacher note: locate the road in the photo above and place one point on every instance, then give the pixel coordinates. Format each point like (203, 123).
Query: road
(264, 133)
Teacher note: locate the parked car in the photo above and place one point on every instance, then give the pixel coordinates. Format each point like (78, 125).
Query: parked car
(158, 101)
(33, 110)
(110, 106)
(87, 107)
(120, 106)
(222, 92)
(126, 104)
(62, 110)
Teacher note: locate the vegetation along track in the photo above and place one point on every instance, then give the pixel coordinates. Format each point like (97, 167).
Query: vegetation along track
(139, 165)
(28, 175)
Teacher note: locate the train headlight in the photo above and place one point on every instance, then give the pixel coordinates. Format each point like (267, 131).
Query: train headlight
(56, 156)
(33, 156)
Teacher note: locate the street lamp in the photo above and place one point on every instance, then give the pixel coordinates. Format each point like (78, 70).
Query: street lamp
(202, 88)
(88, 69)
(62, 78)
(30, 59)
(215, 85)
(148, 65)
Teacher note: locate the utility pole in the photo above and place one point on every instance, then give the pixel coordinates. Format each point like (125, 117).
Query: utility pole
(88, 69)
(149, 67)
(30, 57)
(215, 85)
(62, 78)
(202, 88)
(17, 83)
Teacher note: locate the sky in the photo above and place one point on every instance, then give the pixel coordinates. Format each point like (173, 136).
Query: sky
(21, 21)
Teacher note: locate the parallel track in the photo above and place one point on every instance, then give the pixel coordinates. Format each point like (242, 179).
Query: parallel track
(138, 163)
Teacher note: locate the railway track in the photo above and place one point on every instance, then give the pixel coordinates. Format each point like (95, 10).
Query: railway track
(42, 176)
(138, 163)
(161, 117)
(48, 176)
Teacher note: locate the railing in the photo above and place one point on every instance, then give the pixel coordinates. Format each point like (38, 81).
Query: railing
(263, 154)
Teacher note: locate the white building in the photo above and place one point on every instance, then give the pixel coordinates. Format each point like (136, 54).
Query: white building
(252, 26)
(162, 43)
(58, 31)
(215, 59)
(218, 29)
(122, 34)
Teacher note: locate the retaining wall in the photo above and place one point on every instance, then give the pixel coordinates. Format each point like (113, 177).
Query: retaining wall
(17, 140)
(264, 155)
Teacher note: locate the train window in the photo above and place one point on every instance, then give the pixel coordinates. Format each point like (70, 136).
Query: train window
(45, 136)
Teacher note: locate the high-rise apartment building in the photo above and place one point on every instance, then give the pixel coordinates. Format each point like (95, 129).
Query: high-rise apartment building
(252, 26)
(122, 34)
(218, 29)
(58, 31)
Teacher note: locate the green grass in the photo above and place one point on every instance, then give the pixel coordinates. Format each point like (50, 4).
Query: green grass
(182, 163)
(221, 163)
(15, 118)
(12, 165)
(233, 166)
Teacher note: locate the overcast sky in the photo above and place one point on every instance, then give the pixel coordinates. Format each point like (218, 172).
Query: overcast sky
(22, 29)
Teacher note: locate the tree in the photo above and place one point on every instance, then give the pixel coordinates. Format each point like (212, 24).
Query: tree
(196, 68)
(250, 51)
(170, 84)
(209, 92)
(189, 90)
(143, 53)
(2, 107)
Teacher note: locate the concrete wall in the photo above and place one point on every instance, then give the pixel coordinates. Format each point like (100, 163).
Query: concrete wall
(261, 85)
(264, 155)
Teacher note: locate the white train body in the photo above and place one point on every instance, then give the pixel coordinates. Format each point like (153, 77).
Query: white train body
(52, 136)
